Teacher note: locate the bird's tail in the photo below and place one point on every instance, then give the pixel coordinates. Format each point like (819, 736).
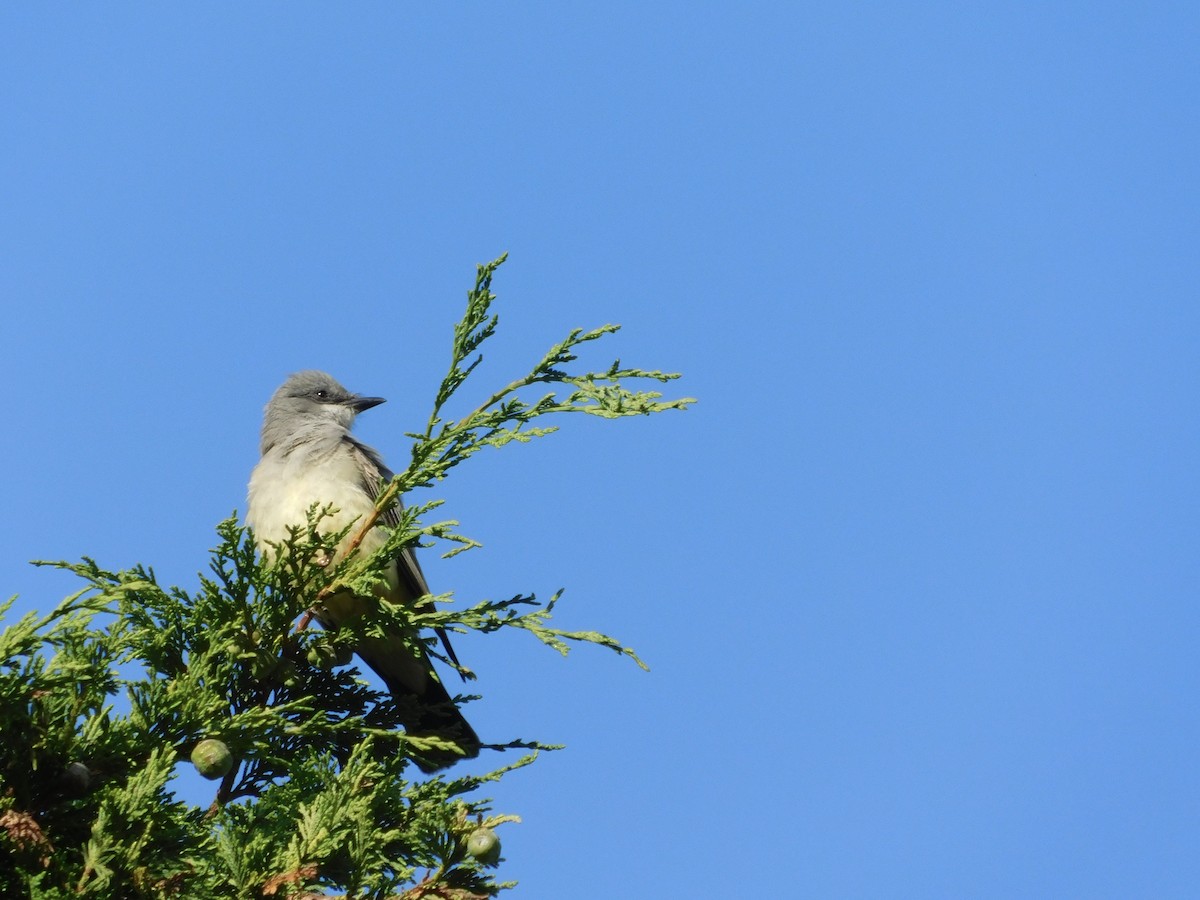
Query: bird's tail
(425, 706)
(433, 713)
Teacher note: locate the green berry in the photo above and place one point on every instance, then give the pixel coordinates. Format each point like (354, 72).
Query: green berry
(484, 846)
(212, 759)
(322, 656)
(272, 671)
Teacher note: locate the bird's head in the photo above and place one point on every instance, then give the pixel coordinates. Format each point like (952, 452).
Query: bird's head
(309, 400)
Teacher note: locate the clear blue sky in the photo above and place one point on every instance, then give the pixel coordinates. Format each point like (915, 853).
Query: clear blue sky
(918, 576)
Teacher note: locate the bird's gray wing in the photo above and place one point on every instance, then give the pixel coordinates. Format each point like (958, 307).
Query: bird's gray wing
(412, 678)
(374, 476)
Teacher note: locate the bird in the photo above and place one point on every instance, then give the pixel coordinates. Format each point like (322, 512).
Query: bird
(309, 456)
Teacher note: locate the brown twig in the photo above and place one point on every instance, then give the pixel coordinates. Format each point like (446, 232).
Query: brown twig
(304, 620)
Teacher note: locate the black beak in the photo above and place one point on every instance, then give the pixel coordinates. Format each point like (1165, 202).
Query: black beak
(361, 404)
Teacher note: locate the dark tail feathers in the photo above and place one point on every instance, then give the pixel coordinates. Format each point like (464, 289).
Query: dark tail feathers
(434, 714)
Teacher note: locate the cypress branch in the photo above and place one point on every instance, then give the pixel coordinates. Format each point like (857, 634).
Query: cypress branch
(104, 699)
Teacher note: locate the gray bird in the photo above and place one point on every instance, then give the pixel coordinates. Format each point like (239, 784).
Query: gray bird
(309, 456)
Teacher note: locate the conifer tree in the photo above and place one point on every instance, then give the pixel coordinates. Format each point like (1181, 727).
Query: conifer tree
(314, 789)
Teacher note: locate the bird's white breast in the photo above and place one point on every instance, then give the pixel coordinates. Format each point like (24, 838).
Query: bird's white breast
(284, 487)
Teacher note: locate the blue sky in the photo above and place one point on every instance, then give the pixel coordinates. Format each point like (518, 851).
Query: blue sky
(916, 578)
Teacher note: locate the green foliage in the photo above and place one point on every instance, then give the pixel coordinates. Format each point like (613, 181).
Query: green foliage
(104, 700)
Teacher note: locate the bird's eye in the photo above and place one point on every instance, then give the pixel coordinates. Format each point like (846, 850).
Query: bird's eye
(321, 395)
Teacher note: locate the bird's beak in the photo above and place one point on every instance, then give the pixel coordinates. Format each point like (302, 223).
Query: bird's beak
(359, 404)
